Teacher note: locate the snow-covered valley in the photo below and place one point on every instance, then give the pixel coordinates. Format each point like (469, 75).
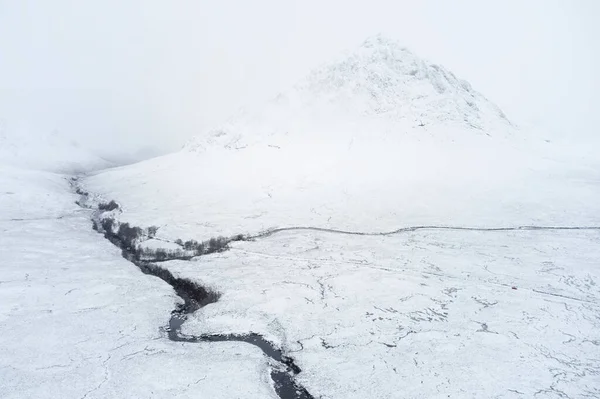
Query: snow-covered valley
(77, 320)
(387, 233)
(417, 314)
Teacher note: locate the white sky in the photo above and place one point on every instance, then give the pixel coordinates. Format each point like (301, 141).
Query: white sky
(154, 72)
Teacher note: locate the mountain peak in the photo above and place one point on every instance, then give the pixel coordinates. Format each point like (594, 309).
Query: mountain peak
(379, 86)
(381, 41)
(386, 78)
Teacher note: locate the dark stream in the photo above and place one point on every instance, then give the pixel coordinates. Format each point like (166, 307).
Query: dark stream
(195, 297)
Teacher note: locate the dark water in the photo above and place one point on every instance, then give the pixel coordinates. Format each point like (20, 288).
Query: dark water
(195, 297)
(283, 379)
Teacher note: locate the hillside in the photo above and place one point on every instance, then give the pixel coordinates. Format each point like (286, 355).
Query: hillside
(21, 147)
(379, 91)
(374, 141)
(387, 233)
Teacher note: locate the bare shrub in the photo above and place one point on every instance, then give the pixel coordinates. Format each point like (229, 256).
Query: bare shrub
(239, 237)
(217, 244)
(110, 206)
(108, 224)
(152, 230)
(160, 254)
(129, 235)
(191, 245)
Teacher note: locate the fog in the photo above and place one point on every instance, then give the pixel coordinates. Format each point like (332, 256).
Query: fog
(147, 75)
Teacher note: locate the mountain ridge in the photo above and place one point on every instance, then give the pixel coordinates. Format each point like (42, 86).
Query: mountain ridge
(378, 87)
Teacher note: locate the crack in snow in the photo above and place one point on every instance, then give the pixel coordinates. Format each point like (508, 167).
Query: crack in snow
(106, 374)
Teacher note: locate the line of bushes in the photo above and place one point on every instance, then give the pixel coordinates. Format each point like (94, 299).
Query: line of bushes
(130, 237)
(216, 244)
(108, 206)
(162, 254)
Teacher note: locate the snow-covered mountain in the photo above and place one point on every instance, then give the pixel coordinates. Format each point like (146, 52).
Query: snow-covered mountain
(489, 289)
(377, 140)
(381, 89)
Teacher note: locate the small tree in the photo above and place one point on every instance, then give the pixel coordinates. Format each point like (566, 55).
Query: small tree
(160, 254)
(128, 234)
(190, 245)
(107, 225)
(217, 244)
(200, 248)
(111, 206)
(152, 230)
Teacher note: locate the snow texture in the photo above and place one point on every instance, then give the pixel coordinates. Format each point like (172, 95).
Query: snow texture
(426, 314)
(377, 141)
(78, 321)
(381, 89)
(322, 155)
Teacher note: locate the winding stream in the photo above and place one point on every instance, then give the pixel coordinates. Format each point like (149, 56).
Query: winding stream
(283, 369)
(194, 297)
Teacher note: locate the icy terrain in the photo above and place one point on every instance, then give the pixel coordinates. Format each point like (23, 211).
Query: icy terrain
(378, 141)
(393, 235)
(425, 314)
(79, 321)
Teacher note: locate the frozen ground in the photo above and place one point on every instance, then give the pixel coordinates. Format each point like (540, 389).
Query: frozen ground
(78, 321)
(424, 314)
(375, 142)
(417, 314)
(478, 181)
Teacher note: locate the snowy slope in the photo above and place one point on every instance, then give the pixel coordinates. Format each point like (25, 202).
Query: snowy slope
(423, 314)
(374, 142)
(381, 89)
(79, 321)
(377, 140)
(22, 147)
